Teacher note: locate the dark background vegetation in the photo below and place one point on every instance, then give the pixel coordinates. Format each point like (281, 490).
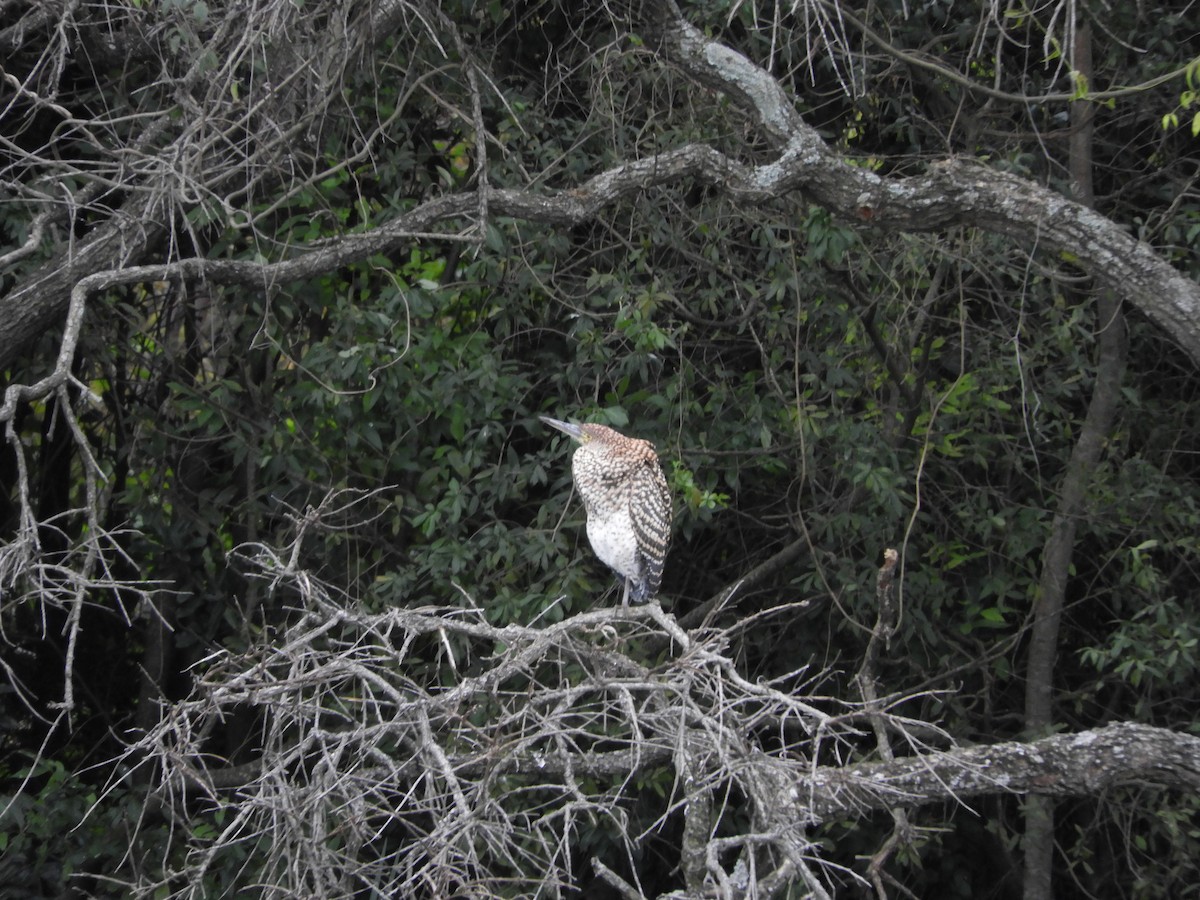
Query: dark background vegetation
(804, 379)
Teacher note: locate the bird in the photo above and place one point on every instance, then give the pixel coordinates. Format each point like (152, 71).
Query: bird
(627, 501)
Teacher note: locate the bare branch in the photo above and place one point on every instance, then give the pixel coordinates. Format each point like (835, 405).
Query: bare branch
(352, 738)
(1066, 765)
(955, 192)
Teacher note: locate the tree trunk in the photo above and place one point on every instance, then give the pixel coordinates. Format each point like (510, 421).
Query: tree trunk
(1056, 557)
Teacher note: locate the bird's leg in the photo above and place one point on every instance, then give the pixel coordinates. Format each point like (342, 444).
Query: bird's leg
(625, 595)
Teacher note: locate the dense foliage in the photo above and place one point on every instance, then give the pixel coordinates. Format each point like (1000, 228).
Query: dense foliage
(804, 379)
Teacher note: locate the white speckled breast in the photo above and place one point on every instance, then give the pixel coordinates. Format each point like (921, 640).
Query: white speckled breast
(612, 537)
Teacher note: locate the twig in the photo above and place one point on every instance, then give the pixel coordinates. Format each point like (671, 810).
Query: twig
(867, 679)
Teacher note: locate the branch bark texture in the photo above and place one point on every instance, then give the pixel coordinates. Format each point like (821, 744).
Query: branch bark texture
(1066, 765)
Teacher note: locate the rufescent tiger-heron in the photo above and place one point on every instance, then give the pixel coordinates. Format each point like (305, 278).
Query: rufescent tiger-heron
(627, 501)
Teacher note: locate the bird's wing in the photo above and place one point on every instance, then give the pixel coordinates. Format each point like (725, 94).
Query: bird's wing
(650, 510)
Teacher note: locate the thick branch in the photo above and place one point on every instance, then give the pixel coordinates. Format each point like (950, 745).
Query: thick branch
(1065, 765)
(44, 297)
(956, 192)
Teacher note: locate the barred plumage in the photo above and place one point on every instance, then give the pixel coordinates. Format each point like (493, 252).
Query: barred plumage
(627, 501)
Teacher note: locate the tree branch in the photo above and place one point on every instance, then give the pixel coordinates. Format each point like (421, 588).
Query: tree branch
(1065, 765)
(954, 192)
(347, 722)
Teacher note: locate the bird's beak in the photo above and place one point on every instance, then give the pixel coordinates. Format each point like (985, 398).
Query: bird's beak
(565, 427)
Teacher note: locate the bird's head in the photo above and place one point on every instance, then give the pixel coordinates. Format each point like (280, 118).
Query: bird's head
(585, 434)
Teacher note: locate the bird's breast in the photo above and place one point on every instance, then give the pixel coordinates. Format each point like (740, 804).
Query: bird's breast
(612, 536)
